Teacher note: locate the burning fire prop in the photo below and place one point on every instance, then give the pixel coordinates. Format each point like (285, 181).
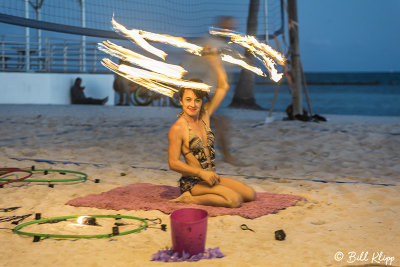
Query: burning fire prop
(86, 220)
(165, 78)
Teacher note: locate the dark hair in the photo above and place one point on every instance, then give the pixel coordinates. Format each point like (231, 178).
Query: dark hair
(199, 93)
(226, 22)
(78, 80)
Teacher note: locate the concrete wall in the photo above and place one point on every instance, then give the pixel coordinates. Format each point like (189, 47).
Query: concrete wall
(51, 88)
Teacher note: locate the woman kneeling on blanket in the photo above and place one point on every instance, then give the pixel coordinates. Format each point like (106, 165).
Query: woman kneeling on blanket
(191, 135)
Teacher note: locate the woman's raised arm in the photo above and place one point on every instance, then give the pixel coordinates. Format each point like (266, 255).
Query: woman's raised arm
(222, 81)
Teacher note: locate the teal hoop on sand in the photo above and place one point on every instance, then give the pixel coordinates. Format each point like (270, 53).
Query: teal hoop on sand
(83, 178)
(17, 228)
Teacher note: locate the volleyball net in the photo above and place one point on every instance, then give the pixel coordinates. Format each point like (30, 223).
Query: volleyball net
(89, 21)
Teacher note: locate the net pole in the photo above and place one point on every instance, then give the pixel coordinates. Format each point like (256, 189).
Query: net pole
(295, 57)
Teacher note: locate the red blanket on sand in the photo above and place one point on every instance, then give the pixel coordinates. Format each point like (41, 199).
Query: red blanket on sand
(144, 196)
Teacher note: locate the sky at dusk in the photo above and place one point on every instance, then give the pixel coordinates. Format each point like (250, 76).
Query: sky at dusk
(349, 35)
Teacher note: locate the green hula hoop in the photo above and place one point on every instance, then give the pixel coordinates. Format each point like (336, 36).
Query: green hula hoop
(83, 178)
(17, 231)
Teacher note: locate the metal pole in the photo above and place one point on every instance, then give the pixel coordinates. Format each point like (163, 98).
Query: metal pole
(266, 20)
(65, 55)
(37, 8)
(39, 34)
(39, 39)
(47, 44)
(51, 51)
(94, 58)
(3, 56)
(83, 44)
(27, 37)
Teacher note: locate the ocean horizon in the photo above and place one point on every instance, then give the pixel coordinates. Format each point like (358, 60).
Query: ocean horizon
(341, 93)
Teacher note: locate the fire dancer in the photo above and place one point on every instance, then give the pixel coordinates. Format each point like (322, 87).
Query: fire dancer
(192, 137)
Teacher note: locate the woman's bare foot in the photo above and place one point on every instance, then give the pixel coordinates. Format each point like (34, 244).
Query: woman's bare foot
(184, 198)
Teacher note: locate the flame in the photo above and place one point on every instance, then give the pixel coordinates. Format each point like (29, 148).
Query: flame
(175, 41)
(138, 36)
(151, 80)
(142, 61)
(261, 51)
(165, 78)
(249, 42)
(81, 219)
(242, 63)
(157, 75)
(270, 64)
(139, 40)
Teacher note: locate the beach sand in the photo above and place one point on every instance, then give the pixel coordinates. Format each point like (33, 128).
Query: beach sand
(337, 217)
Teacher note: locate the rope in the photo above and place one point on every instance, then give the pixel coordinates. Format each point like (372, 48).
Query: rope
(4, 171)
(114, 233)
(45, 171)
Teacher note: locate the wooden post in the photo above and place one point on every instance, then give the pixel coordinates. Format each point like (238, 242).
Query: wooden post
(295, 57)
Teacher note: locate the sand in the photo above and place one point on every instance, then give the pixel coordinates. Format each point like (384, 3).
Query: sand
(337, 217)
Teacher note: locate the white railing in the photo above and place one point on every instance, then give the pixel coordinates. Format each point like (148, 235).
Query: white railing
(49, 55)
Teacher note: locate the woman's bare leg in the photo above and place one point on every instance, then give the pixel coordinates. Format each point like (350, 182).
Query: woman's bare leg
(246, 192)
(218, 196)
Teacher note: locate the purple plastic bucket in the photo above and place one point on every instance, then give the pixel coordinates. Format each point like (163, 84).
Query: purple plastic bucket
(189, 229)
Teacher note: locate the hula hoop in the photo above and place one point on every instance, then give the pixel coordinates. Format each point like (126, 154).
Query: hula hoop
(10, 170)
(16, 229)
(83, 178)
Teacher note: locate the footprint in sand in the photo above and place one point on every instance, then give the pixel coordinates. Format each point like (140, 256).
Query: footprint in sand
(318, 222)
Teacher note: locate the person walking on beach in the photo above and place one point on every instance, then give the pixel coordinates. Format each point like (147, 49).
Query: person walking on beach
(192, 137)
(198, 66)
(124, 87)
(78, 96)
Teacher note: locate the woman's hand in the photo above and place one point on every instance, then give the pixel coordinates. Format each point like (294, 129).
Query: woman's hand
(211, 178)
(210, 51)
(212, 56)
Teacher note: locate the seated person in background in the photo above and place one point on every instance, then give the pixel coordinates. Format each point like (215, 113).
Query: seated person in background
(78, 96)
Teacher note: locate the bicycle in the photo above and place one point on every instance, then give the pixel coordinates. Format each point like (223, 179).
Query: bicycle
(144, 97)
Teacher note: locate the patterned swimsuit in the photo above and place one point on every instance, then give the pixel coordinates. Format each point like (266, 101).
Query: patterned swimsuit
(196, 147)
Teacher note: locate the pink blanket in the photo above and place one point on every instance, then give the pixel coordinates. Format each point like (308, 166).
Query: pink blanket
(144, 196)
